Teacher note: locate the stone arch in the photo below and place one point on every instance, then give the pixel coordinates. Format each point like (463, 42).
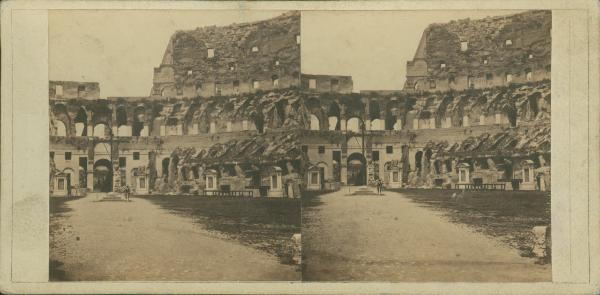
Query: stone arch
(121, 116)
(138, 127)
(101, 114)
(62, 120)
(189, 125)
(333, 116)
(81, 122)
(103, 175)
(374, 110)
(357, 172)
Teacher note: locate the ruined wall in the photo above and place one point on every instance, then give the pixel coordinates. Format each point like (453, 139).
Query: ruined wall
(326, 83)
(240, 58)
(73, 90)
(482, 53)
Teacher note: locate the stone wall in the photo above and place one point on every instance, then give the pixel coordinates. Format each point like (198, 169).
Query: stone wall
(482, 53)
(74, 90)
(240, 58)
(326, 83)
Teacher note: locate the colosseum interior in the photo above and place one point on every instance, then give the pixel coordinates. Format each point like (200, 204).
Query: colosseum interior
(231, 112)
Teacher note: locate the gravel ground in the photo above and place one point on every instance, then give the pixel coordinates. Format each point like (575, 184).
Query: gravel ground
(391, 238)
(139, 241)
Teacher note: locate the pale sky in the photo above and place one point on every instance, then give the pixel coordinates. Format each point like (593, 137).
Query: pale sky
(120, 48)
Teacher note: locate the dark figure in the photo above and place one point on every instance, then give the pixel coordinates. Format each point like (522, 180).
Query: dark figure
(127, 193)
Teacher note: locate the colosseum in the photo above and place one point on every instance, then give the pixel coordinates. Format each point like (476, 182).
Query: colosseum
(231, 113)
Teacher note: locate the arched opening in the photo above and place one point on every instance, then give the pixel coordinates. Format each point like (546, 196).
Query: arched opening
(314, 123)
(61, 120)
(357, 172)
(354, 125)
(121, 116)
(165, 167)
(103, 176)
(61, 129)
(139, 117)
(374, 110)
(81, 123)
(377, 124)
(418, 163)
(122, 128)
(333, 116)
(100, 130)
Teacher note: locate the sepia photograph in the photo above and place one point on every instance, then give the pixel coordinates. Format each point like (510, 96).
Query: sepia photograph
(175, 146)
(429, 157)
(268, 145)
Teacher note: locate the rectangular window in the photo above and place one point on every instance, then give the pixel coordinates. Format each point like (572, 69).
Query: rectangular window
(375, 155)
(122, 162)
(312, 83)
(67, 156)
(389, 149)
(395, 177)
(209, 182)
(59, 90)
(321, 149)
(81, 88)
(526, 175)
(488, 77)
(61, 184)
(52, 155)
(274, 183)
(314, 178)
(305, 149)
(136, 155)
(335, 82)
(142, 181)
(236, 83)
(471, 82)
(432, 84)
(211, 53)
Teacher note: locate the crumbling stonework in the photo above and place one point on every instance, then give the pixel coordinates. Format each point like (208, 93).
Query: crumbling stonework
(482, 53)
(240, 58)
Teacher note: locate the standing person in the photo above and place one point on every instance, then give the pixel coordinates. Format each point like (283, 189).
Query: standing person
(127, 193)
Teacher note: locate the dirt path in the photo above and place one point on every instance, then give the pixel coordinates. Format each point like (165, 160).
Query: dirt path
(390, 238)
(139, 241)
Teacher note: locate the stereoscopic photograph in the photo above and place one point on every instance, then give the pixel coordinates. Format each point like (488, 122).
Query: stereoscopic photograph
(268, 145)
